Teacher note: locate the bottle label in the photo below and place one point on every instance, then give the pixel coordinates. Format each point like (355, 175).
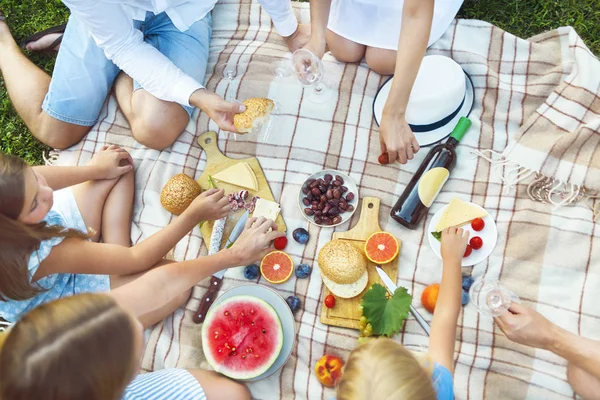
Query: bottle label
(431, 184)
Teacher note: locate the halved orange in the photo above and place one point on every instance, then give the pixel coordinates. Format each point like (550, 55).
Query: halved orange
(381, 247)
(277, 267)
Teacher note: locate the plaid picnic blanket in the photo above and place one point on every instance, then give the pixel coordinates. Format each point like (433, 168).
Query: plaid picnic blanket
(549, 257)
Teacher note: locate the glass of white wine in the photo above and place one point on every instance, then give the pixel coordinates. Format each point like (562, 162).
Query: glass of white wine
(310, 72)
(491, 298)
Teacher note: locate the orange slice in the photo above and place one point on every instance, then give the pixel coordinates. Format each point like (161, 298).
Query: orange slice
(276, 267)
(381, 247)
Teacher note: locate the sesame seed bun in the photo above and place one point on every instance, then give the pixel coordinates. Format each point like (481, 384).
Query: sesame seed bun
(178, 193)
(341, 262)
(257, 112)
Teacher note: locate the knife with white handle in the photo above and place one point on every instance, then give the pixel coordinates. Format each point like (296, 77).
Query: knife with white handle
(217, 279)
(391, 287)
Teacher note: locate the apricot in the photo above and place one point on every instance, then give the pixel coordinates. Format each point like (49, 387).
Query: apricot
(329, 370)
(430, 296)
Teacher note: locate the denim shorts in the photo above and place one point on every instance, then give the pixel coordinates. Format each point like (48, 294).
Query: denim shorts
(83, 76)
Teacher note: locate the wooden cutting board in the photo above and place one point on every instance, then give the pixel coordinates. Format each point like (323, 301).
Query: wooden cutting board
(216, 162)
(346, 312)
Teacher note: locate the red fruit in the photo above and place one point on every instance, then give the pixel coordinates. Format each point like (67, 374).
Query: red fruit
(329, 370)
(476, 242)
(468, 251)
(477, 224)
(329, 301)
(280, 243)
(384, 159)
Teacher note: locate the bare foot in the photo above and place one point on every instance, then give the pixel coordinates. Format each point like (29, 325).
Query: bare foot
(44, 43)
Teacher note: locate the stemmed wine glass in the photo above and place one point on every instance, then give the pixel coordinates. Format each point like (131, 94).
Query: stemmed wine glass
(491, 298)
(310, 72)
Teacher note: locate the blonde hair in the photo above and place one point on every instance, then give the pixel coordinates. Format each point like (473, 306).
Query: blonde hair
(17, 240)
(79, 347)
(384, 369)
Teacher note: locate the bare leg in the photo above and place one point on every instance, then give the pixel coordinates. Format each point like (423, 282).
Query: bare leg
(116, 214)
(27, 86)
(154, 123)
(218, 387)
(345, 50)
(157, 315)
(584, 384)
(91, 197)
(382, 61)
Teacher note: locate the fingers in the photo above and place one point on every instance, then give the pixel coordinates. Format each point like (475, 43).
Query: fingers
(274, 235)
(518, 308)
(250, 222)
(228, 126)
(409, 152)
(501, 323)
(214, 192)
(230, 107)
(125, 169)
(415, 144)
(392, 156)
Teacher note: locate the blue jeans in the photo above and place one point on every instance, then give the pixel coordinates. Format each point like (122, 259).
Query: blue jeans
(83, 76)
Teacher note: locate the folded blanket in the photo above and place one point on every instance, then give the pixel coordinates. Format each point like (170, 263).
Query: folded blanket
(548, 257)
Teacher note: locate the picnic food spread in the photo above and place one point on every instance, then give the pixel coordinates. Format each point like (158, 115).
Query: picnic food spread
(256, 113)
(178, 193)
(343, 268)
(242, 337)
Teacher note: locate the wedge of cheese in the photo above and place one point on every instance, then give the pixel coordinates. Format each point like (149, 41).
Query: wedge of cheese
(239, 174)
(267, 209)
(458, 213)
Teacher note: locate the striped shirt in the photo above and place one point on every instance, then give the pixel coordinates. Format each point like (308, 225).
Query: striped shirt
(166, 384)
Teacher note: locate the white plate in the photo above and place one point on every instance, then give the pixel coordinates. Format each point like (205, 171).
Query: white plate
(285, 316)
(489, 235)
(348, 182)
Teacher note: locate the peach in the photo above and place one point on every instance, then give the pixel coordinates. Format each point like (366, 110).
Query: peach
(329, 370)
(429, 297)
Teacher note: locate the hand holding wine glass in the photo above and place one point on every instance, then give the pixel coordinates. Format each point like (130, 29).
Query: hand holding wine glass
(310, 72)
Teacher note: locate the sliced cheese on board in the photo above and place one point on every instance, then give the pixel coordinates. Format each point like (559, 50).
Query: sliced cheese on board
(267, 209)
(239, 174)
(458, 213)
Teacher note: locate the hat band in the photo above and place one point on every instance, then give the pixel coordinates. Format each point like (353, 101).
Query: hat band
(440, 123)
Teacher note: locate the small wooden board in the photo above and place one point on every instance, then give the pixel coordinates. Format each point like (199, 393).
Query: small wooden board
(217, 161)
(346, 312)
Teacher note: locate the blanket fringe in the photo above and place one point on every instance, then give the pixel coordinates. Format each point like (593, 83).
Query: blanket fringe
(541, 188)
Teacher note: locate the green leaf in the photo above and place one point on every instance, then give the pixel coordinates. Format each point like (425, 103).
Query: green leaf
(386, 315)
(211, 183)
(437, 235)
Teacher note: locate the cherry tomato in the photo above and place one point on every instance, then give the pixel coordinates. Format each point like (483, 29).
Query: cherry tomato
(476, 242)
(329, 301)
(280, 243)
(384, 159)
(477, 224)
(468, 251)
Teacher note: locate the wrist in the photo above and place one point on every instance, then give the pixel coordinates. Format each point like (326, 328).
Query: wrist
(95, 172)
(197, 98)
(557, 339)
(232, 255)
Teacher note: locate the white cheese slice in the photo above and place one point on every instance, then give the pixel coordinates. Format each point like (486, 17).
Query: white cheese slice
(240, 174)
(458, 213)
(267, 209)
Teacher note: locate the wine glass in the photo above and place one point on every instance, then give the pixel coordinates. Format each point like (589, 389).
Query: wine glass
(490, 298)
(310, 72)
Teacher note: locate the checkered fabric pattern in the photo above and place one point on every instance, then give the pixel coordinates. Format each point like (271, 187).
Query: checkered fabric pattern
(550, 258)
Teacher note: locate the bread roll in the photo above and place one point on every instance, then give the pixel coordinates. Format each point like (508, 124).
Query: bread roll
(178, 193)
(342, 262)
(257, 112)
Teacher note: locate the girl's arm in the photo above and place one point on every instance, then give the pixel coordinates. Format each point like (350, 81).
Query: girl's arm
(447, 308)
(79, 256)
(110, 162)
(319, 15)
(162, 284)
(395, 135)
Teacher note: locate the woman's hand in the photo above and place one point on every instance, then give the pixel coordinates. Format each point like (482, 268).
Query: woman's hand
(454, 243)
(255, 241)
(298, 39)
(316, 46)
(112, 162)
(524, 325)
(396, 138)
(209, 206)
(218, 109)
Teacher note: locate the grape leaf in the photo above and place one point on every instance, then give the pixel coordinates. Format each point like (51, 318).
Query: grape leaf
(386, 315)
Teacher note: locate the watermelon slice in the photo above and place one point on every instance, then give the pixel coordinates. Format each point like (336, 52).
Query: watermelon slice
(242, 337)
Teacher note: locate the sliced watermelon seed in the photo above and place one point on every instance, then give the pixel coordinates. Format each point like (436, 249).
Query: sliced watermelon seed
(264, 331)
(249, 350)
(252, 323)
(226, 313)
(233, 353)
(243, 356)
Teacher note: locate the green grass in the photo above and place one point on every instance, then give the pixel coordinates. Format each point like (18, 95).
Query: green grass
(524, 18)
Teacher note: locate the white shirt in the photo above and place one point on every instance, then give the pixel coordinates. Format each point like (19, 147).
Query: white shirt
(109, 23)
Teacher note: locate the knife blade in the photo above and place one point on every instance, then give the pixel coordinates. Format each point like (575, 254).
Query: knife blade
(391, 287)
(217, 279)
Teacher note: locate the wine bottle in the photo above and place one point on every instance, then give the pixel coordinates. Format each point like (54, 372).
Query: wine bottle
(429, 179)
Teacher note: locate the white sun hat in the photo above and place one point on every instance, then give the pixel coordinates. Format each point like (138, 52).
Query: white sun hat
(441, 94)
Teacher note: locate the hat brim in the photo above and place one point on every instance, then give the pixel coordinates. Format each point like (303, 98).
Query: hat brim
(433, 136)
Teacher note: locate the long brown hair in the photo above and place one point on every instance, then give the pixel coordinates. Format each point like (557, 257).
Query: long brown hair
(384, 369)
(78, 347)
(17, 240)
